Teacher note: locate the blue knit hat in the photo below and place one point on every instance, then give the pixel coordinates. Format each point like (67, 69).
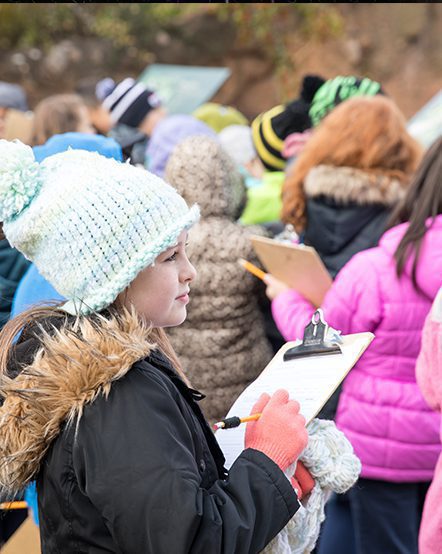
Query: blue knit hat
(89, 223)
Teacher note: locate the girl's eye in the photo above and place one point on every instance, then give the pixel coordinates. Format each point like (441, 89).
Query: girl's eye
(173, 257)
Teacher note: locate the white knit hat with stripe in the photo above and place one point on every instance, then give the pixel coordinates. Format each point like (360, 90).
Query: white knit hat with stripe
(89, 223)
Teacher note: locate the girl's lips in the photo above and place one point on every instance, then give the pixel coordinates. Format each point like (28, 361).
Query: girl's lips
(184, 298)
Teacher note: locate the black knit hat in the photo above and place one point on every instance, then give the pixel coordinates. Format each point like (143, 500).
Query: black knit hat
(271, 128)
(129, 102)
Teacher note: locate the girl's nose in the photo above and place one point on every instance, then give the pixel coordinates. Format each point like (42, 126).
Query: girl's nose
(189, 272)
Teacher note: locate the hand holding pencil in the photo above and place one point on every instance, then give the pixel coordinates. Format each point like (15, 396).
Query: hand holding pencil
(274, 285)
(280, 431)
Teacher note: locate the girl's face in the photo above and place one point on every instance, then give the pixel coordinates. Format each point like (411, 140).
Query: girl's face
(160, 292)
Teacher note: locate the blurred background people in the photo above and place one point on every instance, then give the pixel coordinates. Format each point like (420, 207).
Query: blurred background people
(135, 111)
(269, 130)
(167, 134)
(60, 113)
(99, 116)
(217, 116)
(354, 169)
(15, 119)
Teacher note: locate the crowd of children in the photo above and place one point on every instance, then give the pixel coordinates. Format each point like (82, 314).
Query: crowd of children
(107, 203)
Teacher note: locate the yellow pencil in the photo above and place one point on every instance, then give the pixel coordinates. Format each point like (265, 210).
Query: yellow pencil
(252, 269)
(235, 421)
(17, 505)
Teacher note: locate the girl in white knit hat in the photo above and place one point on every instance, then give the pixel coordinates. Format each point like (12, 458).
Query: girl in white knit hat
(95, 405)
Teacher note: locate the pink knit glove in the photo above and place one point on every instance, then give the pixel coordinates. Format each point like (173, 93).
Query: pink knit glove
(280, 432)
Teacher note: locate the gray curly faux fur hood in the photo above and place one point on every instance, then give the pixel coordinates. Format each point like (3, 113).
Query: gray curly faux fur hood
(347, 184)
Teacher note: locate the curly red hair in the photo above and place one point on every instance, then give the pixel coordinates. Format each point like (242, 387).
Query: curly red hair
(367, 133)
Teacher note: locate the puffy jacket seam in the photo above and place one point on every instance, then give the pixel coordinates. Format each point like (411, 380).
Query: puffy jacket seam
(387, 439)
(397, 408)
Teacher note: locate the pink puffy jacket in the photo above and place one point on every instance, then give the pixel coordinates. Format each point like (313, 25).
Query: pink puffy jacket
(381, 409)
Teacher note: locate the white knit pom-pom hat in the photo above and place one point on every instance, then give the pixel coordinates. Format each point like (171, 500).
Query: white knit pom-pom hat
(89, 223)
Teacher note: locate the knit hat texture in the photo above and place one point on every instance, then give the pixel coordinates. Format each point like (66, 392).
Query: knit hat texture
(89, 223)
(130, 102)
(335, 91)
(217, 116)
(271, 128)
(169, 132)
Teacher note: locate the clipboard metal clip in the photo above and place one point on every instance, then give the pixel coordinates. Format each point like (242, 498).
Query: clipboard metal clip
(315, 341)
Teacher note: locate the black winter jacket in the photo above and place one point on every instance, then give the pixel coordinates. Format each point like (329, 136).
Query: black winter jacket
(141, 471)
(347, 210)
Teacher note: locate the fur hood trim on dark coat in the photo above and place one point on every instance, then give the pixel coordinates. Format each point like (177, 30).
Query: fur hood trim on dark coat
(71, 368)
(350, 185)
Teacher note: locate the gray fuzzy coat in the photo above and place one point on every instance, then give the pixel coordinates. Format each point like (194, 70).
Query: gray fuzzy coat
(222, 344)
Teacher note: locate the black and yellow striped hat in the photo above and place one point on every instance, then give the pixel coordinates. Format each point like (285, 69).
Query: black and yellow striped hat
(271, 128)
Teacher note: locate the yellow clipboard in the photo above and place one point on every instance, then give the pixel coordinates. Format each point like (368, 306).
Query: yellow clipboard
(298, 266)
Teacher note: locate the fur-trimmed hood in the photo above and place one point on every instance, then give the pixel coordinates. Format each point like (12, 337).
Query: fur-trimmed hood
(350, 185)
(71, 367)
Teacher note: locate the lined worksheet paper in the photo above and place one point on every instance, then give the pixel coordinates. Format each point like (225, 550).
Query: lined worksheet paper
(311, 381)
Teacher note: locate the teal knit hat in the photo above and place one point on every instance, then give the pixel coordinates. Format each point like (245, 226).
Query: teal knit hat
(89, 223)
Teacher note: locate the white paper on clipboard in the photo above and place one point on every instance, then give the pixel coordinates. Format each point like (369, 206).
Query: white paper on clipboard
(310, 380)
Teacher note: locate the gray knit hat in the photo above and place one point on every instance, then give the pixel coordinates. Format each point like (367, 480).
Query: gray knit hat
(89, 223)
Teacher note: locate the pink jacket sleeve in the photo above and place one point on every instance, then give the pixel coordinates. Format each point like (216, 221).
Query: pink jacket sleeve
(352, 305)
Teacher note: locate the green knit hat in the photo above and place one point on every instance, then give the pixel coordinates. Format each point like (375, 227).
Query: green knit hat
(89, 223)
(335, 91)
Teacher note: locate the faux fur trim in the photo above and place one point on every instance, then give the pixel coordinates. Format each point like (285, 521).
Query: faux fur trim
(70, 370)
(347, 184)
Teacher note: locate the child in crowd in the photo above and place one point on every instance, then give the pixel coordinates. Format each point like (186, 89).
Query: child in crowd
(61, 113)
(353, 170)
(387, 290)
(96, 405)
(269, 131)
(135, 111)
(223, 340)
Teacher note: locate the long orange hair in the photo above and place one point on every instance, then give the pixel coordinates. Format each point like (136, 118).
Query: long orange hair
(367, 133)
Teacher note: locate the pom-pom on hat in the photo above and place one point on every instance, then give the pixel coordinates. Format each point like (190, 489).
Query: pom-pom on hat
(89, 223)
(334, 91)
(271, 128)
(129, 102)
